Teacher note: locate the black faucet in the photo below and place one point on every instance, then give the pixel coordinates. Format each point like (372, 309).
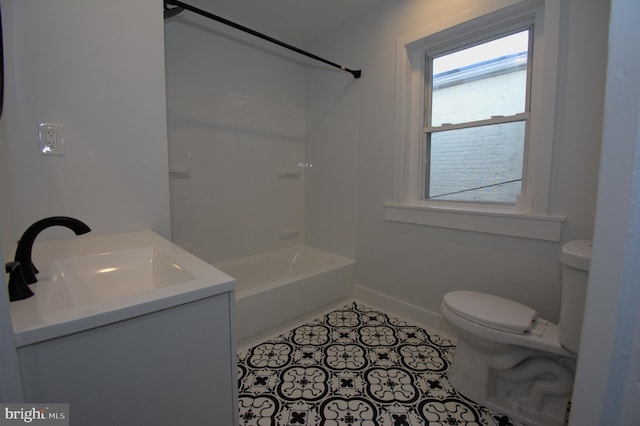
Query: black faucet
(22, 268)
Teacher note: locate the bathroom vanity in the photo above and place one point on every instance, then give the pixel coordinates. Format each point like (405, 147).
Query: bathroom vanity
(128, 329)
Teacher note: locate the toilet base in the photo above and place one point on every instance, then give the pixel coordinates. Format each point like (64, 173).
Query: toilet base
(527, 385)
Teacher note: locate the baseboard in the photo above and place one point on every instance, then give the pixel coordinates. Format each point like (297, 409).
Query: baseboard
(404, 310)
(274, 332)
(398, 308)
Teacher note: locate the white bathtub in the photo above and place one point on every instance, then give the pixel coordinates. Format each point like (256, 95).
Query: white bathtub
(278, 287)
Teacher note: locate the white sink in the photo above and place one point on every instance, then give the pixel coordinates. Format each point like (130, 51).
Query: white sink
(84, 280)
(89, 281)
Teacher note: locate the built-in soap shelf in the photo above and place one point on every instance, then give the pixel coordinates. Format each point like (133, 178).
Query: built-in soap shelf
(288, 234)
(178, 173)
(294, 173)
(289, 174)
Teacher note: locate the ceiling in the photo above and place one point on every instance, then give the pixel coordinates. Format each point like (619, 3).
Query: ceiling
(293, 21)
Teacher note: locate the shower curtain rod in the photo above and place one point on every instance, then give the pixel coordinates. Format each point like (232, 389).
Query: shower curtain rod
(179, 6)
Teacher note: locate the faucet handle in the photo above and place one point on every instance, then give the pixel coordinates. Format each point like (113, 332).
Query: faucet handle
(18, 288)
(11, 266)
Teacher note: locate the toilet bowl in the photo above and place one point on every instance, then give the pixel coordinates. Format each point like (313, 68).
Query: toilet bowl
(509, 359)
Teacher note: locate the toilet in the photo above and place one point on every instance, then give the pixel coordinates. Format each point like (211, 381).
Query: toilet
(512, 361)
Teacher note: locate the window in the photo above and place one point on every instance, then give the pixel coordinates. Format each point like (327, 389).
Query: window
(475, 119)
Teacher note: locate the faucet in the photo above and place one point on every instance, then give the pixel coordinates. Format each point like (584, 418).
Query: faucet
(22, 269)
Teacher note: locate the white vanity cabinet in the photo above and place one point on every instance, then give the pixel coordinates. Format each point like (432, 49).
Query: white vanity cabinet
(164, 356)
(172, 367)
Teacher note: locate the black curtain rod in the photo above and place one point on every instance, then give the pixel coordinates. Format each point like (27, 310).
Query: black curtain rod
(169, 12)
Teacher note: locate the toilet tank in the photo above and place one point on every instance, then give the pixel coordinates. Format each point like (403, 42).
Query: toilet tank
(575, 258)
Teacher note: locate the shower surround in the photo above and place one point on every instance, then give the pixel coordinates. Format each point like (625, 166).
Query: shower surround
(237, 173)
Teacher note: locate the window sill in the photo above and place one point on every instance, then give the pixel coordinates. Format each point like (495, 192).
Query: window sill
(493, 220)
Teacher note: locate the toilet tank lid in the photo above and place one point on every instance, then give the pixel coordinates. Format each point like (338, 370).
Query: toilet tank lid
(491, 311)
(577, 254)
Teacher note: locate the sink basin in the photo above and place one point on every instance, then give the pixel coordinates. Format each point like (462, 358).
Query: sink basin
(90, 281)
(84, 280)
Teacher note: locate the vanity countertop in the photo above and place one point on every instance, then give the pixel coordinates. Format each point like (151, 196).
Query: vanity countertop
(53, 311)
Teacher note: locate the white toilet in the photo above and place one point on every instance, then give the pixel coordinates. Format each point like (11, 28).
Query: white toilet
(510, 360)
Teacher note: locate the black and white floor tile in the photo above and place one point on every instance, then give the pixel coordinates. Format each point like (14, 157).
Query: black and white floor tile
(354, 366)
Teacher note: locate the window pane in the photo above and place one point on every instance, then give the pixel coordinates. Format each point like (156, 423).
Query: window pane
(482, 81)
(482, 164)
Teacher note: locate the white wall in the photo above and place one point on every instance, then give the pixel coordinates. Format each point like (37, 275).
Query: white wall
(97, 68)
(606, 388)
(236, 129)
(10, 385)
(351, 137)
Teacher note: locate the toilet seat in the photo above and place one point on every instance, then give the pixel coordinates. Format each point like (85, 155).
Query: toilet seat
(491, 311)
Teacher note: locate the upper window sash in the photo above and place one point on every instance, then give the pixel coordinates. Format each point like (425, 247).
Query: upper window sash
(461, 43)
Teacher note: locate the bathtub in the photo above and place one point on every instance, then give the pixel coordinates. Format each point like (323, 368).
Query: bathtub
(279, 287)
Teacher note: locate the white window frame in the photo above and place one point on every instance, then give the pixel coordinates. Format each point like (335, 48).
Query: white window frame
(529, 217)
(454, 46)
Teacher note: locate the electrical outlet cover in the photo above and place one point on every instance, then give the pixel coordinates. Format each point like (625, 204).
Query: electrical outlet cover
(51, 139)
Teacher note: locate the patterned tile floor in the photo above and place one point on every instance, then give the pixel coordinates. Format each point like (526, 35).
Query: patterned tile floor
(354, 366)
